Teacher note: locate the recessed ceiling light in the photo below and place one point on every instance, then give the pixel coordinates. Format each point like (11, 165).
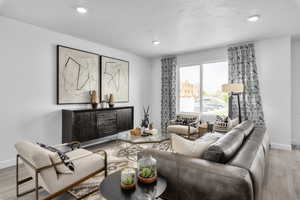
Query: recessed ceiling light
(81, 10)
(253, 18)
(155, 42)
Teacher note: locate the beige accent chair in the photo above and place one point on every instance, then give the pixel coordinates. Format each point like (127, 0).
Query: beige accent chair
(188, 130)
(43, 172)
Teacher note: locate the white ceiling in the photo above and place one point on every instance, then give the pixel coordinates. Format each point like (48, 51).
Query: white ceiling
(180, 25)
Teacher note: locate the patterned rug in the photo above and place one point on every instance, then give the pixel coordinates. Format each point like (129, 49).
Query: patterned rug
(117, 160)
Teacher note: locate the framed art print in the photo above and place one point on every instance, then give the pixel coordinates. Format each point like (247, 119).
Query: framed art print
(78, 73)
(114, 79)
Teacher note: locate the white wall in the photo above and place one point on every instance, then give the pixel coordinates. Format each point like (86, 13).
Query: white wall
(274, 64)
(274, 67)
(296, 92)
(28, 84)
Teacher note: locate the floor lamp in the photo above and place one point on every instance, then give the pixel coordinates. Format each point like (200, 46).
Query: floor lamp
(234, 89)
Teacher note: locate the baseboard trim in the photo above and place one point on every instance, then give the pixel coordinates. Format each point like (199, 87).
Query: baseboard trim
(281, 146)
(296, 146)
(7, 163)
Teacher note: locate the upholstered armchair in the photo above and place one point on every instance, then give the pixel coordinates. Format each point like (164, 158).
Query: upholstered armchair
(43, 171)
(185, 125)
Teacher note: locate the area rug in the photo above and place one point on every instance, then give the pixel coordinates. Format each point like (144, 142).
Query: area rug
(116, 161)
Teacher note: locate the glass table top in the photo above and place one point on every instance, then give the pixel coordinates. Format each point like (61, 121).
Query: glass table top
(156, 137)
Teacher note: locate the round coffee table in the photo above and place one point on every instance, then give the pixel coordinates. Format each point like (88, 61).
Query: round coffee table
(111, 190)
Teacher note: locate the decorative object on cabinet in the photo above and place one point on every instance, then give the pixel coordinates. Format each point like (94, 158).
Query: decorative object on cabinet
(78, 72)
(111, 101)
(94, 99)
(115, 79)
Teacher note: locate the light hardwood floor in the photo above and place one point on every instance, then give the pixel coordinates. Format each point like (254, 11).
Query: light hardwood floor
(283, 179)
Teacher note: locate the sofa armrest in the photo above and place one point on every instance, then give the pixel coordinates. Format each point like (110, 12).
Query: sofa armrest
(190, 178)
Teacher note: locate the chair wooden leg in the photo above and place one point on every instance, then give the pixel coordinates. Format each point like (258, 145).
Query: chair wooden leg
(17, 175)
(36, 186)
(105, 164)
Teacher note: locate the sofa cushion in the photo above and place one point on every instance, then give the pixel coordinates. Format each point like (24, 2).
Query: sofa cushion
(181, 129)
(225, 148)
(252, 158)
(191, 148)
(257, 135)
(246, 127)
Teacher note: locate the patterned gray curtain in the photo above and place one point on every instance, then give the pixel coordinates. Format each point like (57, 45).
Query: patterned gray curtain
(243, 69)
(168, 90)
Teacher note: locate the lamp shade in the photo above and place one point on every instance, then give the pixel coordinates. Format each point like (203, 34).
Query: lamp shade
(233, 87)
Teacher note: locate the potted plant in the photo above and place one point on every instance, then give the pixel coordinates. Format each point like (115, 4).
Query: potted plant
(128, 178)
(147, 170)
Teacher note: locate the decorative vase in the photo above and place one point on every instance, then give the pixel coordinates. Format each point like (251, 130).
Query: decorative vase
(111, 105)
(128, 178)
(111, 101)
(147, 169)
(94, 99)
(94, 105)
(151, 126)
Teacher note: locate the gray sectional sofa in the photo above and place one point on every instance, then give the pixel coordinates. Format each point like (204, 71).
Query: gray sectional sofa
(232, 168)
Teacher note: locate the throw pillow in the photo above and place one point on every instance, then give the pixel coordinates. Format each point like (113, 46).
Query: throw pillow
(57, 156)
(191, 148)
(222, 124)
(185, 120)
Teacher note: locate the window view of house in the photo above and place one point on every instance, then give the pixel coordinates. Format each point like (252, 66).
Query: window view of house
(189, 100)
(214, 100)
(200, 89)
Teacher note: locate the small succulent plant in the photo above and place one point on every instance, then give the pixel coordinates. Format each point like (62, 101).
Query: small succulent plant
(146, 172)
(128, 181)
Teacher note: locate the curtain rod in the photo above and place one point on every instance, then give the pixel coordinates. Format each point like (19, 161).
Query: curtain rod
(240, 43)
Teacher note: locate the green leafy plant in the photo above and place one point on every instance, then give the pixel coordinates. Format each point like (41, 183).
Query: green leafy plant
(146, 172)
(128, 181)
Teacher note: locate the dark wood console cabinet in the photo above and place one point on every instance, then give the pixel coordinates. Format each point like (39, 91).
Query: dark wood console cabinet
(89, 124)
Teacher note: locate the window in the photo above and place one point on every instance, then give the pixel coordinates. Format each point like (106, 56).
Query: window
(189, 89)
(200, 89)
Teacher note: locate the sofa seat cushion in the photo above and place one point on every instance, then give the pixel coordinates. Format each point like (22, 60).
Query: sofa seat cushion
(181, 130)
(191, 148)
(225, 148)
(246, 127)
(84, 166)
(75, 154)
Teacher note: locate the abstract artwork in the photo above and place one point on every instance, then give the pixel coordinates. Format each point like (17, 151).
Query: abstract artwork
(78, 74)
(114, 79)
